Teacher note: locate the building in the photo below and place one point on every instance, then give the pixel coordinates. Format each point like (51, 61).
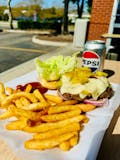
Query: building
(105, 18)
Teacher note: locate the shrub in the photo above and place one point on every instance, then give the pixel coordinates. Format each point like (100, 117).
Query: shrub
(22, 24)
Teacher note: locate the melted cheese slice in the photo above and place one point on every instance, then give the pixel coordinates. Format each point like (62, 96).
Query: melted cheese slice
(94, 87)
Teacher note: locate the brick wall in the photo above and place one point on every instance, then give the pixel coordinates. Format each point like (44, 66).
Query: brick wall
(100, 18)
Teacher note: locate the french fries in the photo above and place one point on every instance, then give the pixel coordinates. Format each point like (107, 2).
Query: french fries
(62, 108)
(69, 107)
(60, 116)
(74, 140)
(36, 106)
(6, 114)
(48, 126)
(33, 116)
(17, 95)
(39, 96)
(87, 107)
(9, 90)
(51, 121)
(18, 103)
(2, 92)
(53, 98)
(48, 143)
(24, 101)
(28, 88)
(65, 146)
(17, 125)
(69, 128)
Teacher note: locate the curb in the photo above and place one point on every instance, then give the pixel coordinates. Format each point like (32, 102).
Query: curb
(26, 31)
(51, 43)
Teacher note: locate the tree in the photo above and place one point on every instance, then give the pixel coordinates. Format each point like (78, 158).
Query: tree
(35, 8)
(10, 14)
(89, 5)
(80, 6)
(2, 12)
(66, 6)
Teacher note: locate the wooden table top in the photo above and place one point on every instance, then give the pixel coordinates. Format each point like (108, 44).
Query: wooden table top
(110, 148)
(111, 143)
(109, 35)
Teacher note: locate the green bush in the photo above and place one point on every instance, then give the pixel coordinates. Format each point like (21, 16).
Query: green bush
(22, 24)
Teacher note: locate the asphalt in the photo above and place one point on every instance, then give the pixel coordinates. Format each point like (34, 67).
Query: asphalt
(35, 38)
(65, 50)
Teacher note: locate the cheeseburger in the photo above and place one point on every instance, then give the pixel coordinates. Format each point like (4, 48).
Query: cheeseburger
(81, 84)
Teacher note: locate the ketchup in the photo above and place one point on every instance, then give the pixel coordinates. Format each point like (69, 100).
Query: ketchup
(35, 85)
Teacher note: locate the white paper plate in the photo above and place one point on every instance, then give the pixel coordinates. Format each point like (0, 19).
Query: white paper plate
(90, 137)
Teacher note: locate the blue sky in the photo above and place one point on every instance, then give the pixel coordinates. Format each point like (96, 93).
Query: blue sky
(46, 3)
(50, 3)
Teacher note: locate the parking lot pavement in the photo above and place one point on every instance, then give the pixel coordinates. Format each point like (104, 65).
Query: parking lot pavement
(17, 48)
(30, 65)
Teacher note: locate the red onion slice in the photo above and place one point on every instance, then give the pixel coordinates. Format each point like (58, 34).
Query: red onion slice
(60, 94)
(99, 103)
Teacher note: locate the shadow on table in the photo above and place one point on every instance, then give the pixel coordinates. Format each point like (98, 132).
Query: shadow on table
(109, 72)
(110, 148)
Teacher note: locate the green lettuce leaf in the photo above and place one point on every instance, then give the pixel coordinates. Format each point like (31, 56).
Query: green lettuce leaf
(52, 68)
